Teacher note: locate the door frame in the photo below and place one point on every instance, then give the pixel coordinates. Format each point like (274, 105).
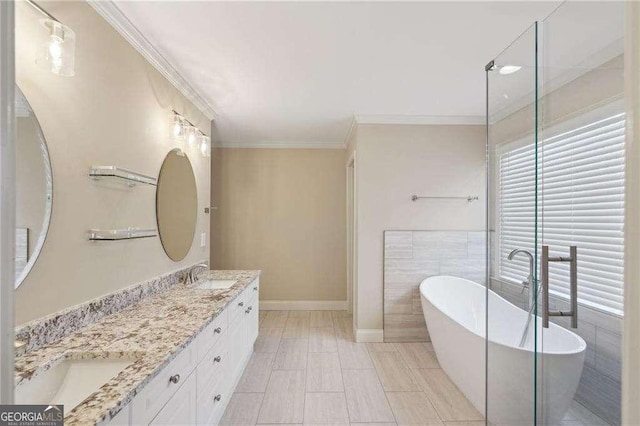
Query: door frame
(631, 322)
(352, 240)
(7, 199)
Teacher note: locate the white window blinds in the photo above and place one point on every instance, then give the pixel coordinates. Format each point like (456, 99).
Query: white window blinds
(580, 202)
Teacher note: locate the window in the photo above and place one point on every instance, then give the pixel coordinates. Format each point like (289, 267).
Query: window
(580, 202)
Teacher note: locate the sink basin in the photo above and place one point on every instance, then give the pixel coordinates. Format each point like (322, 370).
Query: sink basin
(216, 284)
(69, 382)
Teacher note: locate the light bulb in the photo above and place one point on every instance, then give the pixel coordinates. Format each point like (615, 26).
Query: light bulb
(192, 137)
(205, 147)
(177, 126)
(55, 54)
(55, 48)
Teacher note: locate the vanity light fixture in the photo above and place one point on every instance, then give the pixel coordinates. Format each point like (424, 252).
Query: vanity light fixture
(58, 53)
(189, 135)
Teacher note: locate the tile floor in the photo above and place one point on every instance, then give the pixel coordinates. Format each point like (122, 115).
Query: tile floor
(307, 369)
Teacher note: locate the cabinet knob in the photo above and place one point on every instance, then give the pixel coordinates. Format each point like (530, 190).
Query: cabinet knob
(218, 330)
(255, 289)
(217, 359)
(247, 311)
(218, 397)
(241, 304)
(175, 378)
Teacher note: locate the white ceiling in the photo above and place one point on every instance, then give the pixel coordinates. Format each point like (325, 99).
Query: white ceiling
(295, 74)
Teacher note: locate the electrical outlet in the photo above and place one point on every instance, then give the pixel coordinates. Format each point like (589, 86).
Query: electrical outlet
(203, 239)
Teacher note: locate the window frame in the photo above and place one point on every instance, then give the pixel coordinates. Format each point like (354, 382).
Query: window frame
(559, 126)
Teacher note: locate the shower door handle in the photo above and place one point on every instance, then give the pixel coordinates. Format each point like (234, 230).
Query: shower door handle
(573, 286)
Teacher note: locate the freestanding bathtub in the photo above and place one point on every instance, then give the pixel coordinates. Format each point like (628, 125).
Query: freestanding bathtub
(454, 309)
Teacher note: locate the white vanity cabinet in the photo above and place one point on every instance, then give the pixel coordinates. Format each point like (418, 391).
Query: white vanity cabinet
(197, 385)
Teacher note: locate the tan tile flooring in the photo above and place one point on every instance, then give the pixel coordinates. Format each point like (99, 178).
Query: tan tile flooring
(307, 369)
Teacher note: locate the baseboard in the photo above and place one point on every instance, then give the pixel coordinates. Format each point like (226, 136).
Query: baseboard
(303, 305)
(369, 335)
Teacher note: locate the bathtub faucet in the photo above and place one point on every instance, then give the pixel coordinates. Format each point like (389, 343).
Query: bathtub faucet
(533, 295)
(528, 283)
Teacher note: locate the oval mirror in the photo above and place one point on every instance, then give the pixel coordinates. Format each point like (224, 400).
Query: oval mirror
(34, 188)
(176, 205)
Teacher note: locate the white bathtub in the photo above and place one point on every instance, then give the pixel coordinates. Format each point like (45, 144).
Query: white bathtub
(454, 309)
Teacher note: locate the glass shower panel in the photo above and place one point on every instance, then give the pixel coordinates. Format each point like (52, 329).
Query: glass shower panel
(512, 82)
(581, 198)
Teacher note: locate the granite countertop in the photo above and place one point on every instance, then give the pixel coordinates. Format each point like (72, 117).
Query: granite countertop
(152, 332)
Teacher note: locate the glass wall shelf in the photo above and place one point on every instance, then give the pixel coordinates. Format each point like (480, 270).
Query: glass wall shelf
(121, 234)
(130, 177)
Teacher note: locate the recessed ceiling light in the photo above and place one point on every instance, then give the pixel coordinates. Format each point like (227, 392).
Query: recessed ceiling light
(509, 69)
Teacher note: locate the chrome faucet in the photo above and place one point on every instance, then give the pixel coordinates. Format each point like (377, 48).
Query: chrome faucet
(533, 294)
(191, 275)
(528, 283)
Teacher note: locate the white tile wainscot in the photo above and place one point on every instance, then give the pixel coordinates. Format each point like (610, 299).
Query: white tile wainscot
(197, 385)
(412, 256)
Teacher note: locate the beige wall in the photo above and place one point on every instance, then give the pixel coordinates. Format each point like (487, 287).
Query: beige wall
(282, 211)
(396, 161)
(115, 111)
(594, 88)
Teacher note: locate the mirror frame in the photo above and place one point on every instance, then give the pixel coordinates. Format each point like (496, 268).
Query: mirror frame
(181, 153)
(48, 211)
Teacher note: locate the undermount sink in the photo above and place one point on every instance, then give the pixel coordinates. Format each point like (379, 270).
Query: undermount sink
(216, 284)
(70, 381)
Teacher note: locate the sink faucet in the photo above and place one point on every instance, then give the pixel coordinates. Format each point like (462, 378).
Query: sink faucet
(191, 275)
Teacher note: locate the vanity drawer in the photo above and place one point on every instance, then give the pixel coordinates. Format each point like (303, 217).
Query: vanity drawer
(161, 388)
(213, 366)
(181, 408)
(237, 308)
(213, 384)
(214, 332)
(211, 405)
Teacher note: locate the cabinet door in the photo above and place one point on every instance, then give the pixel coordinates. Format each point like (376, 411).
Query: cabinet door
(237, 349)
(181, 408)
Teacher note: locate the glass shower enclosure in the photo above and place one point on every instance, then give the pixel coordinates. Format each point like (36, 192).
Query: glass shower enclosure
(555, 217)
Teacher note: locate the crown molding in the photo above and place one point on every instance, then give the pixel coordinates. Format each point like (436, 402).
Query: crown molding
(281, 145)
(352, 128)
(459, 120)
(114, 16)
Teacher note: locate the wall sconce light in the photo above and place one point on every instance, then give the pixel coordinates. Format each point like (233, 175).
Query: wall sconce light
(58, 53)
(189, 135)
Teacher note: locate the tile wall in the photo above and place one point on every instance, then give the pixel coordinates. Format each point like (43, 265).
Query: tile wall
(412, 256)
